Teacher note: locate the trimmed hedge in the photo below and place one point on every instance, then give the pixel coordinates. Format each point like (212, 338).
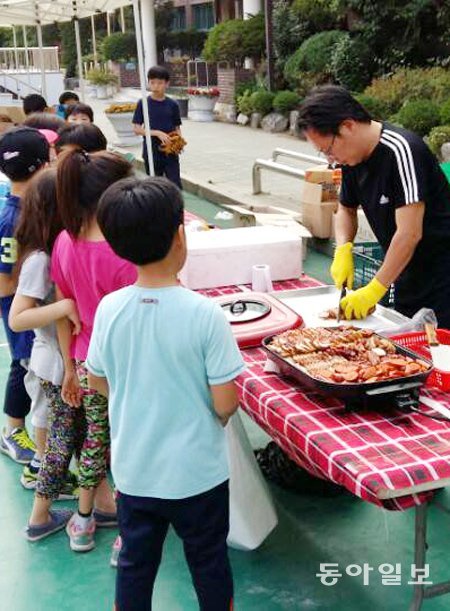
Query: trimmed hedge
(262, 101)
(420, 116)
(284, 101)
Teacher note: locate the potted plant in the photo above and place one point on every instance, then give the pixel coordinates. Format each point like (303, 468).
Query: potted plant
(201, 102)
(102, 79)
(120, 116)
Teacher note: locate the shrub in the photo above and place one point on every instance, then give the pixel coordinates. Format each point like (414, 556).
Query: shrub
(352, 63)
(248, 86)
(438, 136)
(235, 39)
(289, 31)
(120, 46)
(444, 113)
(262, 101)
(374, 107)
(420, 116)
(284, 101)
(315, 53)
(317, 14)
(411, 84)
(245, 104)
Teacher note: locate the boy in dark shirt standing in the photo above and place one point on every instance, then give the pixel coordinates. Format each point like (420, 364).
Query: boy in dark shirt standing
(164, 118)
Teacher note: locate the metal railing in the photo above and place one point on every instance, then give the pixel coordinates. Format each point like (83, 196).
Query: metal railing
(280, 152)
(272, 166)
(29, 59)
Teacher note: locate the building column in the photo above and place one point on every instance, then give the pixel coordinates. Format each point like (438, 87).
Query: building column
(149, 33)
(251, 7)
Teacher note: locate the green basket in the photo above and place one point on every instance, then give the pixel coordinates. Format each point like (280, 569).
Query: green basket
(367, 258)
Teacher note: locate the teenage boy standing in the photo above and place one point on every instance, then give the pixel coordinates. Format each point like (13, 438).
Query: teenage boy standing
(164, 118)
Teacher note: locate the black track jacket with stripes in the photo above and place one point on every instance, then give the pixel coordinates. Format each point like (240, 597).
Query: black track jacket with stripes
(402, 170)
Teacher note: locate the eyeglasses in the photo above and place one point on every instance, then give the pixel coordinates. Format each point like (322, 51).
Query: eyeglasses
(328, 152)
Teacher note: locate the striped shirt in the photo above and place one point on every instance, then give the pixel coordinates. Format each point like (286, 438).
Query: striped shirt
(400, 171)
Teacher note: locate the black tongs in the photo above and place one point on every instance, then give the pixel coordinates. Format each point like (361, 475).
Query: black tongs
(342, 294)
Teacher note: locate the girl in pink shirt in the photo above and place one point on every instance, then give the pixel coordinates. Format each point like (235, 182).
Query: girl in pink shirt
(84, 268)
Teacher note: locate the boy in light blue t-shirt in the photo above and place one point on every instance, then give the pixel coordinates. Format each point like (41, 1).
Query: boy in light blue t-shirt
(167, 359)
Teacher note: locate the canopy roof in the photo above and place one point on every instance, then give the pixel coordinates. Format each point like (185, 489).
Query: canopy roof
(30, 12)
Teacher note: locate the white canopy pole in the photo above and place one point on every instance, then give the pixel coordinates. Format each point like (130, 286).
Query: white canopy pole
(41, 55)
(143, 82)
(108, 25)
(94, 40)
(27, 59)
(122, 18)
(16, 54)
(149, 32)
(79, 57)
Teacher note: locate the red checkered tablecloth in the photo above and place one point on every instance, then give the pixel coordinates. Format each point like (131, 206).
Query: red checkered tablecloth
(374, 455)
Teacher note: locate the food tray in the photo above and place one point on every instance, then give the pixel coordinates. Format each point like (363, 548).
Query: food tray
(310, 302)
(363, 393)
(418, 343)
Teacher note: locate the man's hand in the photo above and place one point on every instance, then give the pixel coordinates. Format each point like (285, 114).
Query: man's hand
(342, 268)
(359, 303)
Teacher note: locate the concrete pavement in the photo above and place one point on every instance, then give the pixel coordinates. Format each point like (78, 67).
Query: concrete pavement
(217, 162)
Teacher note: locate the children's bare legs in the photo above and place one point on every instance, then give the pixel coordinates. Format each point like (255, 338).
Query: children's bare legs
(40, 439)
(40, 512)
(101, 497)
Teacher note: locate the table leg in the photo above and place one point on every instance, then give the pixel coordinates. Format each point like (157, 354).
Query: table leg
(420, 550)
(422, 591)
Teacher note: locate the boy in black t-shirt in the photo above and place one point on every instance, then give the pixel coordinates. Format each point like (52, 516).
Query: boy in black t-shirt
(164, 118)
(392, 174)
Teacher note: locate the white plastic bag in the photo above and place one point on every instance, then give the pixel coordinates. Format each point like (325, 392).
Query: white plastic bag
(252, 512)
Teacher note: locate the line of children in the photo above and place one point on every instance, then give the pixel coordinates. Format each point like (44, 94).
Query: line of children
(34, 308)
(146, 328)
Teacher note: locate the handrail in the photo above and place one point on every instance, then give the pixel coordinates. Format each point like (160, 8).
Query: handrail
(28, 86)
(278, 152)
(279, 168)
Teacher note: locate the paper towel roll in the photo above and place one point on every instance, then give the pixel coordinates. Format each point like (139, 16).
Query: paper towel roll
(261, 279)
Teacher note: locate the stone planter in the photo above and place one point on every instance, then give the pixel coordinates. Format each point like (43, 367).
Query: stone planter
(121, 121)
(201, 108)
(102, 92)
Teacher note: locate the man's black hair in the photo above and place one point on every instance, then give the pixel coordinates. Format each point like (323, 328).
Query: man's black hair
(83, 135)
(158, 72)
(80, 108)
(327, 106)
(68, 95)
(34, 103)
(139, 218)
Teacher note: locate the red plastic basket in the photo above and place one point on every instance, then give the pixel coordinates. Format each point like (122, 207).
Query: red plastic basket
(417, 342)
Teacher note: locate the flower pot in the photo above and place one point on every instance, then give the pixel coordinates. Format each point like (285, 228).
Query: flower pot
(102, 92)
(201, 107)
(121, 121)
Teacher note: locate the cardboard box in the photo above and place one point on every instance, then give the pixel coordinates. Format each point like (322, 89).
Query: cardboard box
(328, 179)
(225, 257)
(318, 218)
(15, 112)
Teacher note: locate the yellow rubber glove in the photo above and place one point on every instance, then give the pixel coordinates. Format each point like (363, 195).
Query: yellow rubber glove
(342, 269)
(359, 303)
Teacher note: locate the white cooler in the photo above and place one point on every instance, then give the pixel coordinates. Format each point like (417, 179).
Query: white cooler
(226, 256)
